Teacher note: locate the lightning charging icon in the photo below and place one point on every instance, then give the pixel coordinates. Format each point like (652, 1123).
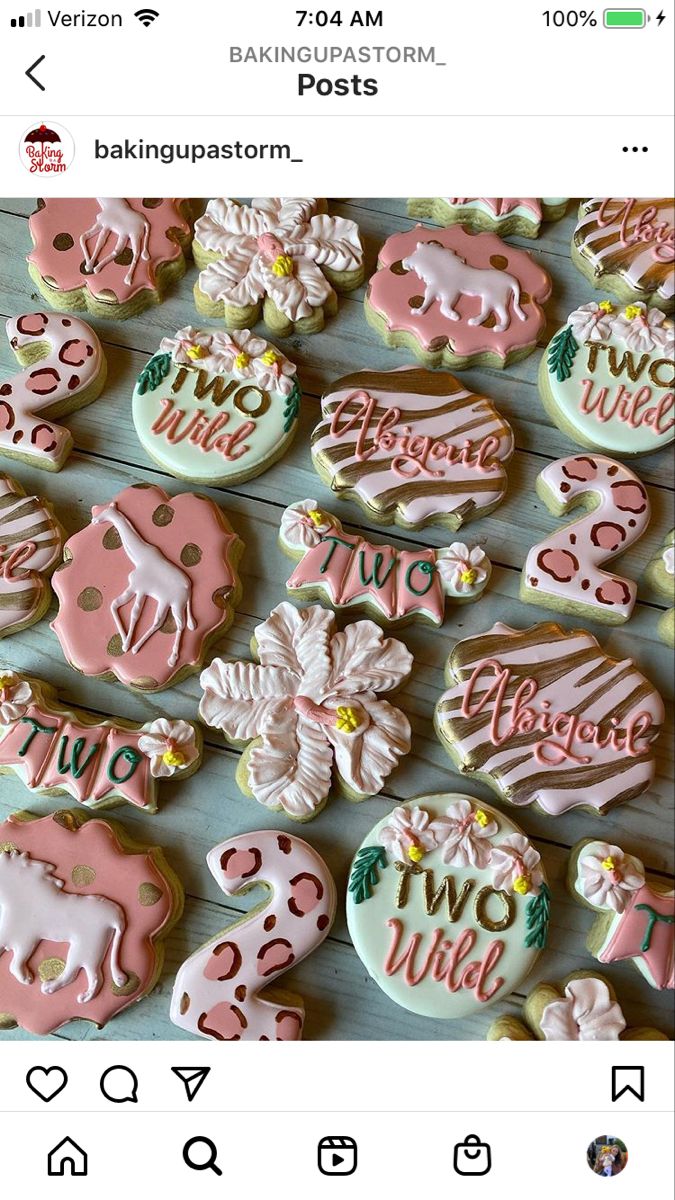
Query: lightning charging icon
(661, 17)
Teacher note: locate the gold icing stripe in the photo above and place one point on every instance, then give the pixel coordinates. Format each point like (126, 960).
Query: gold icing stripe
(417, 381)
(21, 601)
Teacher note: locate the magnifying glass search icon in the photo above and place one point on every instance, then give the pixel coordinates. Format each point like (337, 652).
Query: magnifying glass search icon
(201, 1161)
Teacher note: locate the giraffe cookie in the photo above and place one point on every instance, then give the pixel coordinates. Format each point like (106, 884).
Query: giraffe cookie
(636, 915)
(84, 912)
(660, 575)
(457, 299)
(109, 257)
(627, 247)
(146, 587)
(583, 1008)
(221, 991)
(517, 216)
(31, 542)
(63, 369)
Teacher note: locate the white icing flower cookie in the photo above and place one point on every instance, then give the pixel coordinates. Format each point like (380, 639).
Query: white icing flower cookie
(583, 1008)
(518, 216)
(216, 408)
(607, 378)
(636, 918)
(280, 258)
(391, 585)
(311, 709)
(660, 575)
(447, 905)
(627, 247)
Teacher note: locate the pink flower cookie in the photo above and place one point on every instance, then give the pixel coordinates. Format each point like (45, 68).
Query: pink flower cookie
(636, 915)
(457, 299)
(583, 1008)
(311, 709)
(146, 587)
(544, 716)
(391, 585)
(83, 914)
(63, 369)
(31, 542)
(412, 447)
(58, 750)
(280, 258)
(447, 905)
(109, 257)
(627, 247)
(220, 992)
(521, 216)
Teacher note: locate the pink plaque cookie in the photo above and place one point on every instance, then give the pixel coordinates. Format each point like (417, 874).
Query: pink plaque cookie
(82, 914)
(31, 541)
(146, 586)
(457, 299)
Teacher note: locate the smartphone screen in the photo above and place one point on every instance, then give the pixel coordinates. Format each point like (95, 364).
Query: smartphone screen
(336, 600)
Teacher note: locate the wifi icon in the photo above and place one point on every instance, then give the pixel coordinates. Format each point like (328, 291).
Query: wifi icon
(146, 16)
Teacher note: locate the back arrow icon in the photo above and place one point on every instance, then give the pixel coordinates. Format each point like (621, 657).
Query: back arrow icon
(30, 74)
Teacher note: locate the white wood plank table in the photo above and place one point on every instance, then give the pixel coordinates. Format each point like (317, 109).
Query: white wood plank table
(340, 998)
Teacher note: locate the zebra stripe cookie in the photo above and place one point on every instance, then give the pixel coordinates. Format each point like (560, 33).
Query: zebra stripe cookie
(31, 542)
(218, 992)
(519, 216)
(627, 246)
(412, 447)
(545, 717)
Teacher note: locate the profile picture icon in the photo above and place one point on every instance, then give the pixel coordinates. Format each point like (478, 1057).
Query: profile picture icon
(607, 1156)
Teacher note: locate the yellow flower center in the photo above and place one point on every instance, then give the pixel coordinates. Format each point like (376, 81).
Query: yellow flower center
(415, 853)
(6, 681)
(347, 720)
(173, 758)
(468, 575)
(521, 885)
(481, 817)
(270, 357)
(195, 352)
(282, 265)
(315, 515)
(606, 306)
(608, 864)
(242, 360)
(633, 311)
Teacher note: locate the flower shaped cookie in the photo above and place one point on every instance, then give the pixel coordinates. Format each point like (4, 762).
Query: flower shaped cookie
(583, 1008)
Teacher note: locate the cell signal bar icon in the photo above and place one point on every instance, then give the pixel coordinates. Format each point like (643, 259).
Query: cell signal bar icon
(32, 20)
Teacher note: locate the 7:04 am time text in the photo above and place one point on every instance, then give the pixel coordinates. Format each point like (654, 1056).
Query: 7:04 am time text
(322, 18)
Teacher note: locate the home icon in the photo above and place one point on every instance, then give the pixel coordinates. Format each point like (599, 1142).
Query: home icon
(67, 1159)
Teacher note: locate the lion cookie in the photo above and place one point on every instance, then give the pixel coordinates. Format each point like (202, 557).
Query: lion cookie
(109, 257)
(216, 408)
(660, 575)
(447, 905)
(412, 447)
(393, 586)
(311, 710)
(636, 915)
(280, 258)
(607, 379)
(627, 247)
(146, 587)
(31, 542)
(457, 299)
(546, 717)
(517, 216)
(583, 1008)
(83, 915)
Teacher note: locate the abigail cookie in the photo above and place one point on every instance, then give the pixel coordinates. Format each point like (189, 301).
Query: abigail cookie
(31, 542)
(447, 905)
(457, 299)
(583, 1008)
(521, 216)
(627, 247)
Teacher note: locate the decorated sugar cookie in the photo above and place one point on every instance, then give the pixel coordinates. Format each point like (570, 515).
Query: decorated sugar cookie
(311, 712)
(109, 257)
(636, 914)
(280, 258)
(58, 750)
(583, 1008)
(457, 299)
(607, 378)
(391, 585)
(544, 716)
(63, 369)
(660, 575)
(627, 247)
(447, 905)
(564, 571)
(216, 408)
(514, 215)
(221, 991)
(412, 447)
(31, 542)
(83, 914)
(146, 587)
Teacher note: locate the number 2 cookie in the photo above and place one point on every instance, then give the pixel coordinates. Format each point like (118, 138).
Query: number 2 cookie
(513, 215)
(627, 246)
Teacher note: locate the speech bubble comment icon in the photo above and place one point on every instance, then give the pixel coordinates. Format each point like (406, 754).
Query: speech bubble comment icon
(119, 1085)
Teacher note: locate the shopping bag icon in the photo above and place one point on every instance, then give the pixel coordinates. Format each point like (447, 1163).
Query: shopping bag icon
(472, 1157)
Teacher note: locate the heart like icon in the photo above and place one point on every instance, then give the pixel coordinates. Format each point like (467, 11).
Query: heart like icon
(46, 1082)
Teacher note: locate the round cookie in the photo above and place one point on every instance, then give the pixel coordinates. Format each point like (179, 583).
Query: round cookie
(31, 542)
(583, 1008)
(457, 299)
(660, 575)
(447, 905)
(521, 217)
(216, 408)
(627, 247)
(606, 379)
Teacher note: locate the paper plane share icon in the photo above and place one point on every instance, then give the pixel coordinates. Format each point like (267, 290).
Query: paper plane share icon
(192, 1079)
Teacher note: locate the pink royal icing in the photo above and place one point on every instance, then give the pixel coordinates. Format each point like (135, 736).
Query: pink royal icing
(30, 547)
(587, 1013)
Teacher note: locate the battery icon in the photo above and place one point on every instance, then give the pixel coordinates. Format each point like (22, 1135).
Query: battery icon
(625, 18)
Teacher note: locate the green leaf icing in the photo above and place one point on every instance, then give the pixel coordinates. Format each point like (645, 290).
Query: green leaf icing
(561, 354)
(365, 872)
(537, 915)
(292, 408)
(153, 373)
